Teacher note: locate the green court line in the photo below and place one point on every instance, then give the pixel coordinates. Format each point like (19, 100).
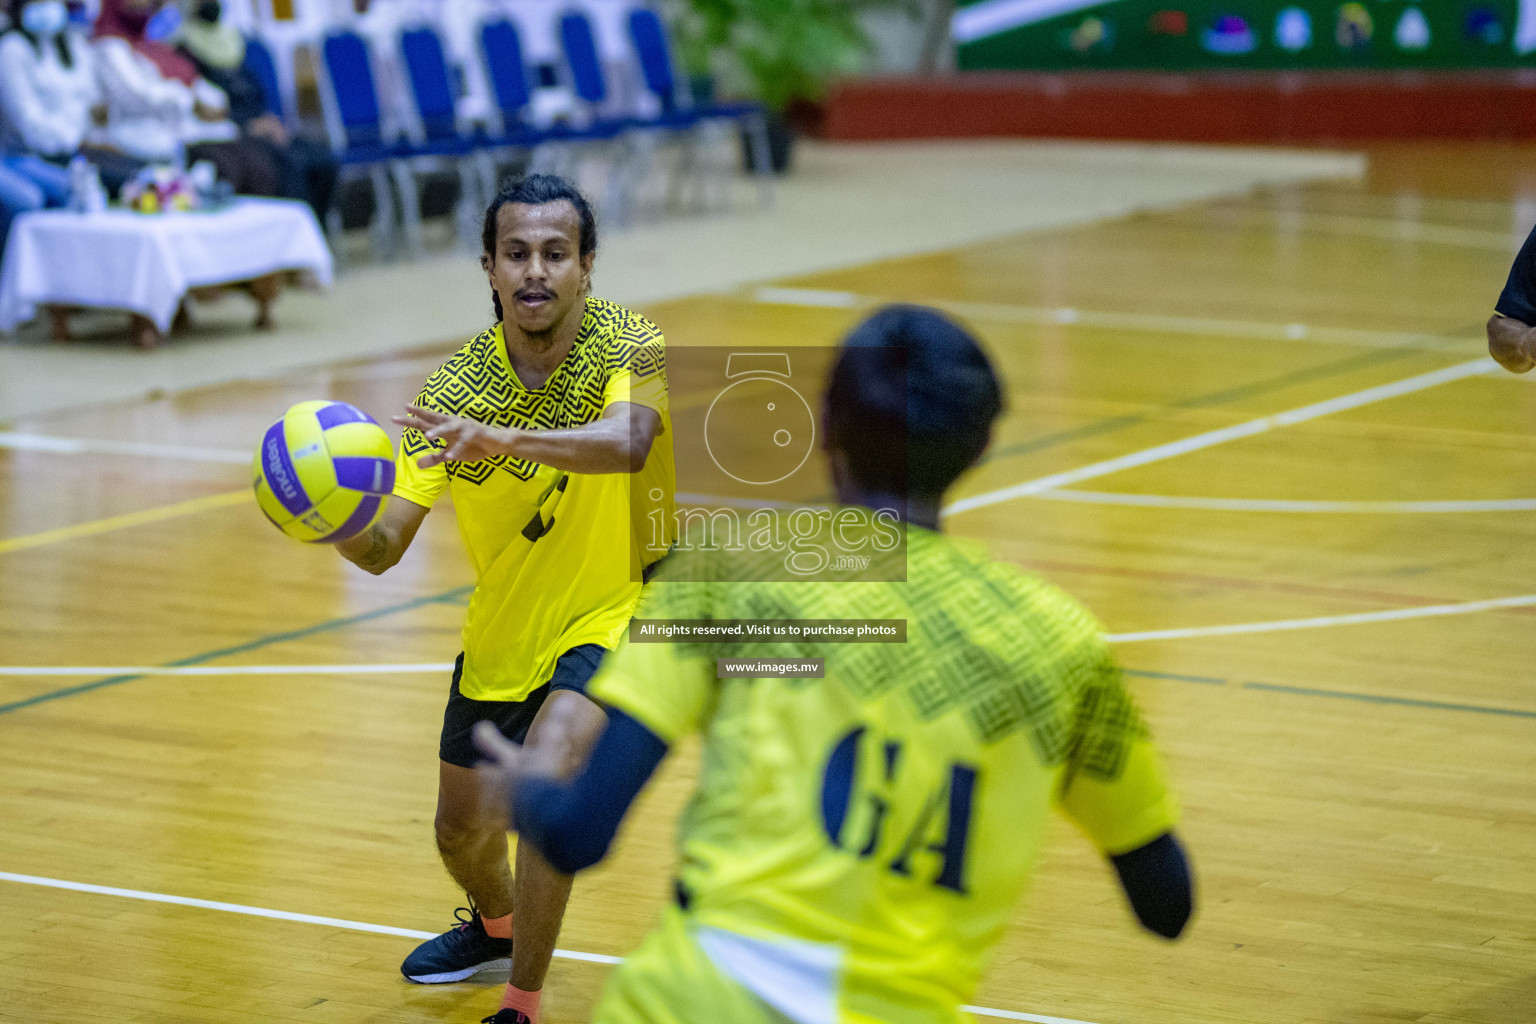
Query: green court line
(1147, 674)
(446, 597)
(1407, 702)
(1315, 691)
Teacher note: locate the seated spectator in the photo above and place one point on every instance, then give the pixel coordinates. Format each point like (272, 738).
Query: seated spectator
(28, 183)
(307, 168)
(160, 109)
(50, 98)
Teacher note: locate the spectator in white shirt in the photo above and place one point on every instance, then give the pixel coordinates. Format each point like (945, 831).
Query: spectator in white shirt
(47, 81)
(49, 94)
(217, 47)
(159, 108)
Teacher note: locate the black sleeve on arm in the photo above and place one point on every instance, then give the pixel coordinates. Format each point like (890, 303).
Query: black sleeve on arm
(573, 823)
(1518, 300)
(1157, 880)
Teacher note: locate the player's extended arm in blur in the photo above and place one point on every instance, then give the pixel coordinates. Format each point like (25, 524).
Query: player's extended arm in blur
(1512, 343)
(570, 818)
(619, 442)
(380, 546)
(1157, 880)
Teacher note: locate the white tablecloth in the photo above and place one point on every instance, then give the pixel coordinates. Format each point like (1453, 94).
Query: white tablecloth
(146, 263)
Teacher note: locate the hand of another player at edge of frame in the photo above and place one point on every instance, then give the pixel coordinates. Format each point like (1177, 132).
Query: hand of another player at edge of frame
(466, 440)
(505, 765)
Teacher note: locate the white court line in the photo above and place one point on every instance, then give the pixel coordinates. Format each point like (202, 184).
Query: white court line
(1212, 438)
(219, 670)
(809, 297)
(92, 446)
(278, 915)
(1323, 621)
(1395, 230)
(1152, 322)
(1276, 505)
(382, 929)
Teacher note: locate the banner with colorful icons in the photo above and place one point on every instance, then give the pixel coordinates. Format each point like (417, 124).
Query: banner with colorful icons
(1212, 34)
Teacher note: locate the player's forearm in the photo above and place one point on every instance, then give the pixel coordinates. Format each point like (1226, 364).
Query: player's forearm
(605, 446)
(373, 550)
(1512, 343)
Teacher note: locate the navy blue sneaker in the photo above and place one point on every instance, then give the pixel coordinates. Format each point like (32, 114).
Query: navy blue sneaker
(458, 953)
(507, 1016)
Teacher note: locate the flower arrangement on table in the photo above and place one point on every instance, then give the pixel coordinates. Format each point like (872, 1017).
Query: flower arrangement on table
(161, 187)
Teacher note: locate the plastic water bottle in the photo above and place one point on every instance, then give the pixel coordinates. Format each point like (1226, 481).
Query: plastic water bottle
(79, 183)
(95, 191)
(86, 193)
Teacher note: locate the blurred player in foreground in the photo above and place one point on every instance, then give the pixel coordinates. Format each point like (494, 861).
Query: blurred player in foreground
(540, 428)
(857, 843)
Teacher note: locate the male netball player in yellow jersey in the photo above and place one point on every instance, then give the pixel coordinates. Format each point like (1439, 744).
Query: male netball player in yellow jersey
(538, 428)
(857, 842)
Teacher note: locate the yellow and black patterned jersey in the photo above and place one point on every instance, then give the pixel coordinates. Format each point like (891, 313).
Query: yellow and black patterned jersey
(888, 813)
(557, 555)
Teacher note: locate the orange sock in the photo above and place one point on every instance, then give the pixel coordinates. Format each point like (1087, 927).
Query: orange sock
(497, 927)
(524, 1002)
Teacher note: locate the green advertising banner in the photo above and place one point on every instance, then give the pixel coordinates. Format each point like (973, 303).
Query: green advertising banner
(1189, 35)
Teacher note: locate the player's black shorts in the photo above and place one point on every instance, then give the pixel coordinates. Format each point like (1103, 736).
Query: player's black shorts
(572, 672)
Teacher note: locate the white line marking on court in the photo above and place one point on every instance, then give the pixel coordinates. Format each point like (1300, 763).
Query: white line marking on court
(91, 446)
(1395, 229)
(1282, 625)
(1124, 321)
(382, 929)
(1274, 505)
(278, 915)
(220, 670)
(986, 1011)
(1212, 438)
(808, 297)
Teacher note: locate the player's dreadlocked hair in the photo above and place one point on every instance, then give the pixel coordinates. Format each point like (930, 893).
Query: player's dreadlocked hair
(536, 190)
(911, 401)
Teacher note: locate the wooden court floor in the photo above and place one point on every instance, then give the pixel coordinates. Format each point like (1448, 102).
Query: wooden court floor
(1267, 412)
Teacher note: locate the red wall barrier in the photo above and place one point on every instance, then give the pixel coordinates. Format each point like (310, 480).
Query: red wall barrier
(1239, 107)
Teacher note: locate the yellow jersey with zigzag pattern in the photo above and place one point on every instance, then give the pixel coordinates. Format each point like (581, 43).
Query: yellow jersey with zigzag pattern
(888, 814)
(557, 556)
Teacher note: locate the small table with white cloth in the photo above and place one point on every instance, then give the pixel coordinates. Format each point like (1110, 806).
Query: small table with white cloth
(147, 263)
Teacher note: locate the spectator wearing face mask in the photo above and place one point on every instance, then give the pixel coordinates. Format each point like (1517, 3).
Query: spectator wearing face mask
(306, 168)
(49, 95)
(160, 109)
(45, 96)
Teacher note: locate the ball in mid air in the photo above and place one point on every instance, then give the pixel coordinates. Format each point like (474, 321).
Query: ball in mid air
(324, 471)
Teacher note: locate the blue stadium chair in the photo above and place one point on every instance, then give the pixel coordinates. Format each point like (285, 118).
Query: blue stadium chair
(586, 68)
(549, 147)
(355, 126)
(639, 133)
(503, 52)
(649, 37)
(432, 88)
(437, 129)
(259, 62)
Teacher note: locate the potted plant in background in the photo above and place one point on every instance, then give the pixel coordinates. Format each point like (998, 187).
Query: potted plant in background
(774, 51)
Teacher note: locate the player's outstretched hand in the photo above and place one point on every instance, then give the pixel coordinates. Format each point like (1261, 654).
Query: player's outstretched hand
(505, 765)
(498, 773)
(466, 440)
